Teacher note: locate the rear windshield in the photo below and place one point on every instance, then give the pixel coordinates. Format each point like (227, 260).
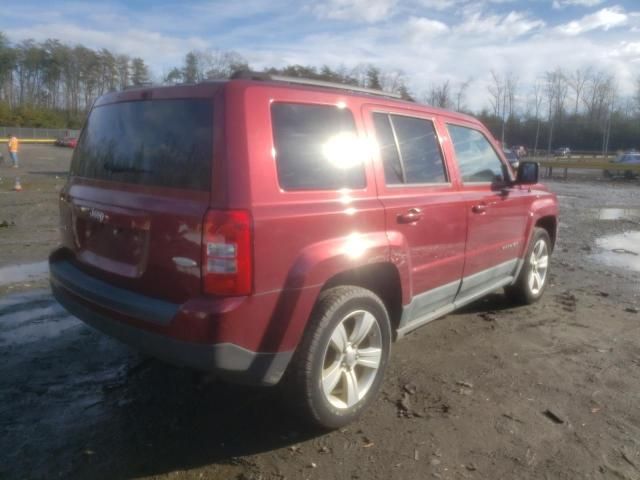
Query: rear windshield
(165, 143)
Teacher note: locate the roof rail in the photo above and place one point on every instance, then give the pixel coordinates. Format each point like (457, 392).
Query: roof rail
(249, 75)
(140, 85)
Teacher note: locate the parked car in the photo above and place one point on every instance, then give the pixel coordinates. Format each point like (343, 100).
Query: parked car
(512, 158)
(67, 142)
(273, 231)
(628, 158)
(562, 152)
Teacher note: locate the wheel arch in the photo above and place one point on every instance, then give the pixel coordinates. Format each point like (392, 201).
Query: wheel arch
(550, 224)
(383, 279)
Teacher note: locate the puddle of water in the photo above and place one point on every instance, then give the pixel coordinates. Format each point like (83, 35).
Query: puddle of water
(17, 319)
(14, 299)
(617, 213)
(621, 250)
(41, 330)
(31, 318)
(23, 273)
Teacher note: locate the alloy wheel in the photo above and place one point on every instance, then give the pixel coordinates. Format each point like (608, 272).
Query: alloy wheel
(352, 359)
(539, 260)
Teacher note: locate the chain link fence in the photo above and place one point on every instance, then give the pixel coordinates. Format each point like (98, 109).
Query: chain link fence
(35, 133)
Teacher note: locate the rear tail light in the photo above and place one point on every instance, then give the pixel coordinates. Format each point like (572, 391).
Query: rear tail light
(227, 263)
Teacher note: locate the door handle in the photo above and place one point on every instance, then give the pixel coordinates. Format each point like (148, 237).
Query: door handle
(480, 208)
(413, 215)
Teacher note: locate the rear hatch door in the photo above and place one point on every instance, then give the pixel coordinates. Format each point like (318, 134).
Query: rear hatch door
(138, 191)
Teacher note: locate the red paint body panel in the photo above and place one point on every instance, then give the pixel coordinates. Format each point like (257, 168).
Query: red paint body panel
(430, 251)
(301, 239)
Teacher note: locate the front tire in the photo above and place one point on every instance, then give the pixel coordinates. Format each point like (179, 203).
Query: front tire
(533, 278)
(339, 365)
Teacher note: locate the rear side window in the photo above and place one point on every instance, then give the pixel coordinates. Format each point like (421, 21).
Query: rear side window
(165, 143)
(317, 147)
(410, 150)
(393, 173)
(477, 160)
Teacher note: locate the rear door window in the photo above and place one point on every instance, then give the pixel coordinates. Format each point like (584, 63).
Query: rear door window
(317, 147)
(410, 150)
(477, 160)
(165, 143)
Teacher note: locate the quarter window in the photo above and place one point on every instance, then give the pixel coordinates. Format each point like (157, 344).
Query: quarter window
(317, 147)
(409, 149)
(477, 160)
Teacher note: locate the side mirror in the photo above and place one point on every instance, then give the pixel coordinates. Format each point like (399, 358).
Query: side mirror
(528, 173)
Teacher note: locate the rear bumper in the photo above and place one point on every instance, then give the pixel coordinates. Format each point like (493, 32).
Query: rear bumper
(102, 306)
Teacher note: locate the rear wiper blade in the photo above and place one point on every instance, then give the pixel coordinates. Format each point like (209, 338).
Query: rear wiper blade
(123, 169)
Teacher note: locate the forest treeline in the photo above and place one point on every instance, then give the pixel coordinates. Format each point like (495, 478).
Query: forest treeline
(52, 84)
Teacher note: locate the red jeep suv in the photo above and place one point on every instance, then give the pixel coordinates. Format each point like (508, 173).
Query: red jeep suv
(270, 228)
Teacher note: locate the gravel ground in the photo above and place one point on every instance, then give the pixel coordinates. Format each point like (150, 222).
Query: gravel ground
(492, 391)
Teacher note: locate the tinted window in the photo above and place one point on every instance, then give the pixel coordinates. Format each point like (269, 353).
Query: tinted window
(477, 159)
(409, 149)
(388, 149)
(419, 150)
(156, 142)
(317, 147)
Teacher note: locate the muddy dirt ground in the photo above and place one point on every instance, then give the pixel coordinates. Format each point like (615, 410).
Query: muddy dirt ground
(549, 391)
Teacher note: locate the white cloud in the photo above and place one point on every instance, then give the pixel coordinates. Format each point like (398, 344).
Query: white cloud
(465, 40)
(355, 10)
(512, 25)
(557, 4)
(439, 4)
(628, 50)
(456, 57)
(421, 29)
(604, 19)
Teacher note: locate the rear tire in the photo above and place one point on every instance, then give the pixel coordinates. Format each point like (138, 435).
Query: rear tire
(339, 365)
(534, 274)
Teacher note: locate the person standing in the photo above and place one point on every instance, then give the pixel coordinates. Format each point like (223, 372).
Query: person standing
(13, 150)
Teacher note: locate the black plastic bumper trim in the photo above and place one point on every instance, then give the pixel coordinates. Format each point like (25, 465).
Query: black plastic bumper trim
(227, 360)
(101, 293)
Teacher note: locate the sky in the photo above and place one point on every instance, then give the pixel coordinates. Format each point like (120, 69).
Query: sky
(431, 41)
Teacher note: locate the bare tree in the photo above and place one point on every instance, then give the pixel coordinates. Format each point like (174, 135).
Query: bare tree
(537, 99)
(609, 101)
(392, 80)
(502, 94)
(460, 94)
(496, 94)
(122, 67)
(217, 64)
(7, 64)
(359, 74)
(555, 90)
(439, 95)
(576, 82)
(510, 90)
(596, 95)
(201, 65)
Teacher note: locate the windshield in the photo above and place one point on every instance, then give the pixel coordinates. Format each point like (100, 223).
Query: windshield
(153, 142)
